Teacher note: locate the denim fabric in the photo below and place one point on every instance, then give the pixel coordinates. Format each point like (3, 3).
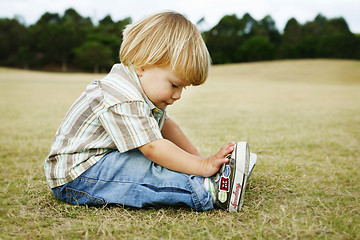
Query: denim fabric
(131, 179)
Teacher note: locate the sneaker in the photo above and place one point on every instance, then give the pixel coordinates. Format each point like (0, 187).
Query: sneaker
(230, 182)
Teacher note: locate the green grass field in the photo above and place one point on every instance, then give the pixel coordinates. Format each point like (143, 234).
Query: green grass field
(302, 118)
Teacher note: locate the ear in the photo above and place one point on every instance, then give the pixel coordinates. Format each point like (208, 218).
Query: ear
(139, 71)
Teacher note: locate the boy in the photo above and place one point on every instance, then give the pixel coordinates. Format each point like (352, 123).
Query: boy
(116, 143)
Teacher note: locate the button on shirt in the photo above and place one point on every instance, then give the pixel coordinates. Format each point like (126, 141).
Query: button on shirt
(112, 114)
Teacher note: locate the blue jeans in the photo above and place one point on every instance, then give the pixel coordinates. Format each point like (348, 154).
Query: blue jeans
(131, 179)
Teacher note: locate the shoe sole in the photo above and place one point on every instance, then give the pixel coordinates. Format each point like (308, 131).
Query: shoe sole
(241, 154)
(252, 163)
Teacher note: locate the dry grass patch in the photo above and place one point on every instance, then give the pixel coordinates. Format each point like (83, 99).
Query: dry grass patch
(302, 118)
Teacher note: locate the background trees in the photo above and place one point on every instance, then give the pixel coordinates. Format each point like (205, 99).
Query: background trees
(13, 37)
(244, 39)
(68, 42)
(72, 43)
(53, 38)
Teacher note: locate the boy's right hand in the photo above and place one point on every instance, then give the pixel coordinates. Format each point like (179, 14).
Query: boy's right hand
(212, 164)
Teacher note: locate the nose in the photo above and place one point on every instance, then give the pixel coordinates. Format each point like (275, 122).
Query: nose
(177, 94)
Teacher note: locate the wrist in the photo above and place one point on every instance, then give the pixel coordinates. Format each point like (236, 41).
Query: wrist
(203, 167)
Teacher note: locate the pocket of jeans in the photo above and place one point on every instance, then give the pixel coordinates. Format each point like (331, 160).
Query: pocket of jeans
(157, 167)
(77, 197)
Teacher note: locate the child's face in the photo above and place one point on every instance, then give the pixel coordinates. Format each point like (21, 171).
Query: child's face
(162, 86)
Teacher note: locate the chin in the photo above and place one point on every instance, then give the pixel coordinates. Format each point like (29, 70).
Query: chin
(160, 106)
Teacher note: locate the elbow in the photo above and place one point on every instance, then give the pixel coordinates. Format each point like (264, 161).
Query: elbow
(149, 150)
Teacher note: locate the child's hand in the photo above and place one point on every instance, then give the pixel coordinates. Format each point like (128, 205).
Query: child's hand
(212, 164)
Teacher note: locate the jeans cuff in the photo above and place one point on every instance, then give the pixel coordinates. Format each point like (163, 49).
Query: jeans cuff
(200, 195)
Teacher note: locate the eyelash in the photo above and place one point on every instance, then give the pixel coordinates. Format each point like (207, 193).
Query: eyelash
(175, 86)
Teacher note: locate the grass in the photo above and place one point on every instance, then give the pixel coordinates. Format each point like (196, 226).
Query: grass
(302, 118)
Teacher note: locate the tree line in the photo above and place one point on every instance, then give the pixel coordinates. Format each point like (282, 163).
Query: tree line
(73, 43)
(244, 39)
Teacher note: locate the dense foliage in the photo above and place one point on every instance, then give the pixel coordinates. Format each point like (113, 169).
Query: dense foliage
(72, 42)
(245, 39)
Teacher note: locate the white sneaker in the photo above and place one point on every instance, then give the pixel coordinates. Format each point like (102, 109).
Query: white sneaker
(229, 183)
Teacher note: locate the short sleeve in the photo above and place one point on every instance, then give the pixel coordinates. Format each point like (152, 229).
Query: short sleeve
(130, 125)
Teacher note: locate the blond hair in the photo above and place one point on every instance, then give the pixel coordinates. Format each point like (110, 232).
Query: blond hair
(167, 39)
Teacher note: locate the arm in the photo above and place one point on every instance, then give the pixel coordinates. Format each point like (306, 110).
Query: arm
(172, 132)
(170, 156)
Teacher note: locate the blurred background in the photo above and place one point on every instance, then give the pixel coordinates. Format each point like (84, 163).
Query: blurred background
(85, 35)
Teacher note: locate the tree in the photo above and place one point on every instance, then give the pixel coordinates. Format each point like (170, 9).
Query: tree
(71, 40)
(269, 30)
(338, 25)
(25, 56)
(323, 38)
(109, 33)
(44, 39)
(13, 36)
(292, 32)
(73, 31)
(93, 55)
(291, 37)
(255, 49)
(55, 37)
(220, 41)
(224, 38)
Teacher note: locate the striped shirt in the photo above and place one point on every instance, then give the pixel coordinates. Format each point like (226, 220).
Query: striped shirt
(113, 113)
